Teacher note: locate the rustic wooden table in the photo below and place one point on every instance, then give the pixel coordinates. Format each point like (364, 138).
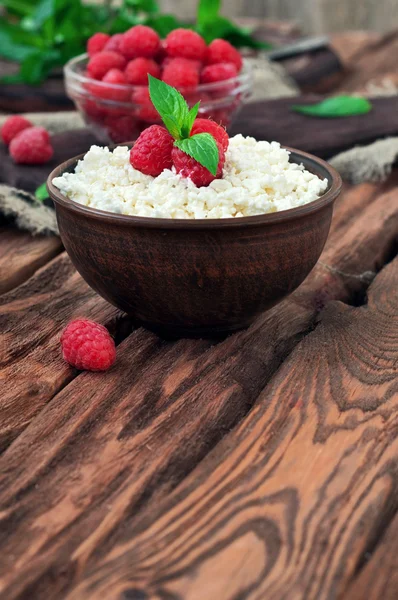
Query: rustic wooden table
(264, 466)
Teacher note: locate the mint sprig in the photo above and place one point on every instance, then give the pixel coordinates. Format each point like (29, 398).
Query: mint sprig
(202, 148)
(179, 119)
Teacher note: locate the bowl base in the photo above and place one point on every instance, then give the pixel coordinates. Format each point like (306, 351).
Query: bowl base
(171, 332)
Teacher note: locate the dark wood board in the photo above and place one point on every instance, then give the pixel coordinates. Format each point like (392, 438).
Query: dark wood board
(29, 177)
(274, 120)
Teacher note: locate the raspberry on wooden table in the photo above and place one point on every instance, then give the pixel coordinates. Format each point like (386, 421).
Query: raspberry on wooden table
(151, 153)
(217, 131)
(219, 72)
(101, 63)
(140, 41)
(12, 126)
(181, 73)
(188, 167)
(184, 43)
(137, 71)
(31, 147)
(97, 42)
(221, 51)
(87, 346)
(114, 43)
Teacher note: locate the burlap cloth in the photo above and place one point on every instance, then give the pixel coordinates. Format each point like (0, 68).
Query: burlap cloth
(370, 163)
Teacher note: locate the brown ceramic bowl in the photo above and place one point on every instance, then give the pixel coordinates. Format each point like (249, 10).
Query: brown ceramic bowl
(196, 277)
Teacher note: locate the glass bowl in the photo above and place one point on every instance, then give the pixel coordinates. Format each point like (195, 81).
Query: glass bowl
(118, 113)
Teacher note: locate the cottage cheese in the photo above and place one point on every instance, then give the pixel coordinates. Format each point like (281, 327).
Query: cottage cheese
(257, 179)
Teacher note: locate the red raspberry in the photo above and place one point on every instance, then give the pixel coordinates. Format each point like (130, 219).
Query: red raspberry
(12, 126)
(162, 53)
(88, 346)
(121, 128)
(169, 59)
(184, 43)
(140, 41)
(144, 107)
(137, 71)
(221, 51)
(182, 74)
(97, 43)
(94, 110)
(151, 153)
(115, 78)
(188, 167)
(219, 72)
(101, 63)
(31, 147)
(208, 126)
(113, 43)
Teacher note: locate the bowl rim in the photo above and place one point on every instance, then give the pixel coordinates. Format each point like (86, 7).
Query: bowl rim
(244, 77)
(163, 223)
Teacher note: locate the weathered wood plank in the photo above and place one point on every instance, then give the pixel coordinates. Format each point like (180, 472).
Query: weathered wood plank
(287, 504)
(273, 120)
(108, 447)
(378, 577)
(372, 63)
(22, 254)
(31, 319)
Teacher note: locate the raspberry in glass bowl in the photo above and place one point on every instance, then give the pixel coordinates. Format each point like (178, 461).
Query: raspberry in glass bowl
(107, 85)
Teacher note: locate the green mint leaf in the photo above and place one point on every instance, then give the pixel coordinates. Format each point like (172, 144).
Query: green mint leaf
(189, 121)
(203, 148)
(12, 50)
(41, 192)
(207, 11)
(338, 106)
(170, 105)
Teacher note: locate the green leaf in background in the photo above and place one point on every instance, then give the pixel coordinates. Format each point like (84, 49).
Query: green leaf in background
(203, 148)
(44, 10)
(38, 65)
(212, 25)
(337, 106)
(149, 6)
(41, 192)
(208, 11)
(12, 50)
(170, 105)
(164, 24)
(19, 8)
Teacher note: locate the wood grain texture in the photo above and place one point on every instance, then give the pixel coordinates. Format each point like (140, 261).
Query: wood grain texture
(288, 503)
(21, 255)
(31, 319)
(370, 62)
(105, 450)
(378, 576)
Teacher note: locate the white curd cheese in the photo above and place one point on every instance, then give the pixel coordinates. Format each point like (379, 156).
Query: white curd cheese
(258, 178)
